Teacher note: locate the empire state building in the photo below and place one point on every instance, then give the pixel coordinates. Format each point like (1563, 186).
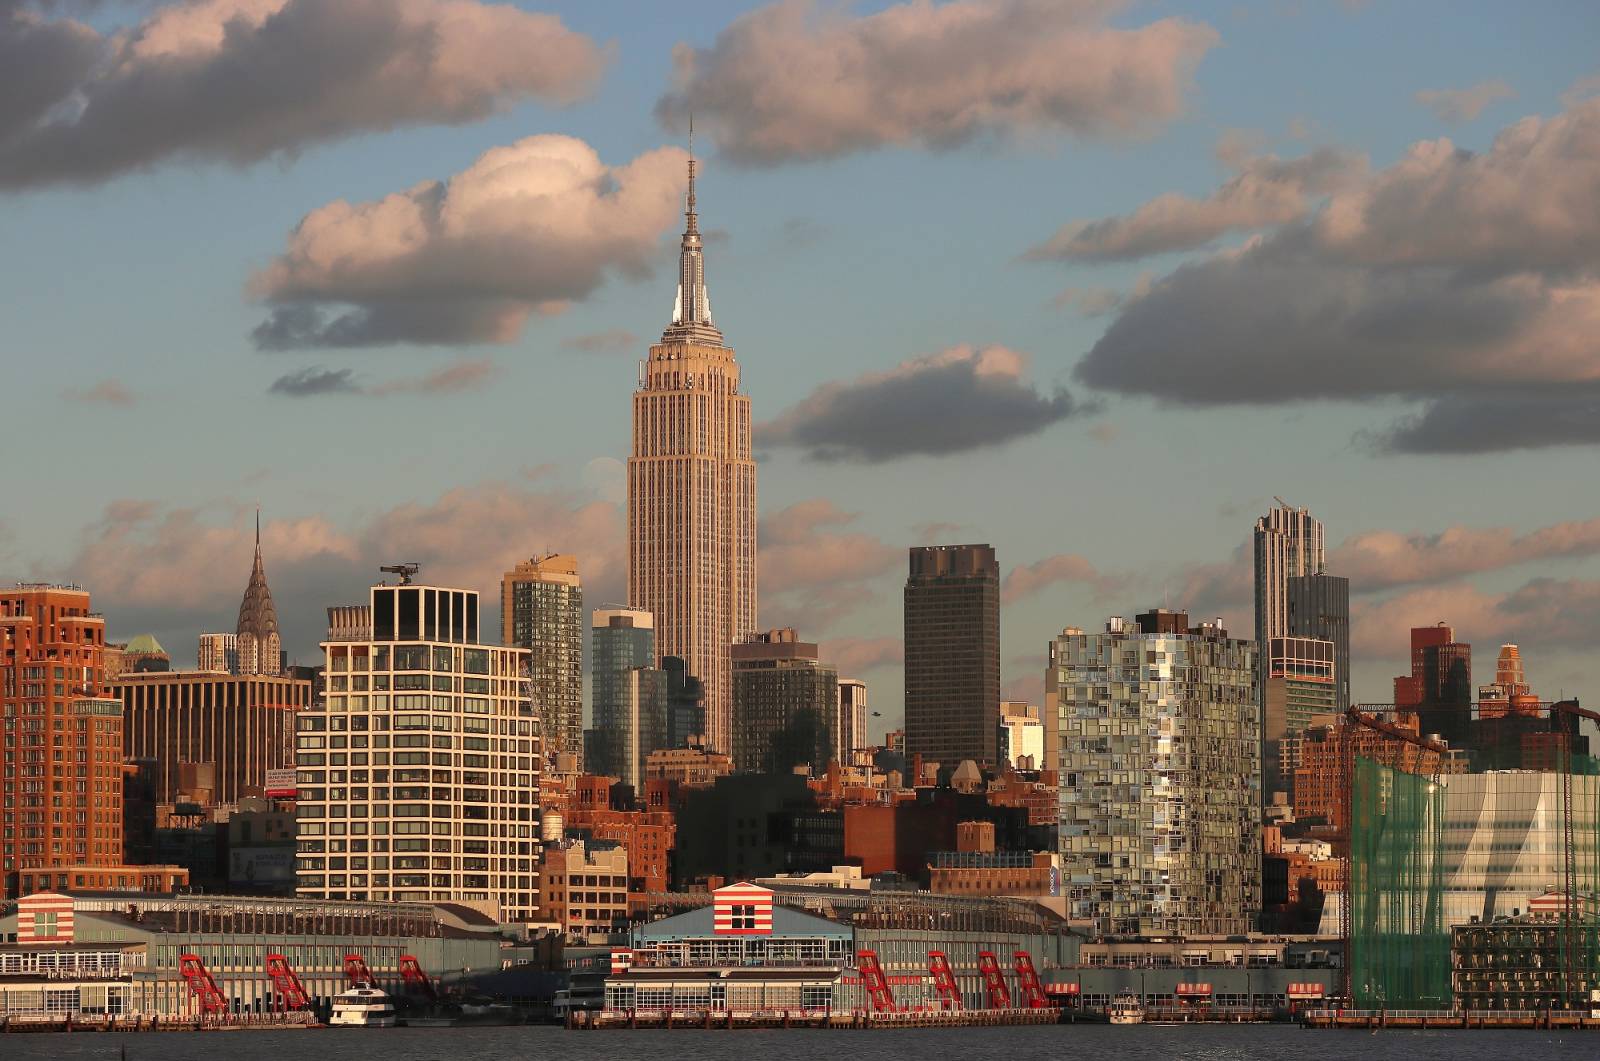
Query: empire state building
(692, 491)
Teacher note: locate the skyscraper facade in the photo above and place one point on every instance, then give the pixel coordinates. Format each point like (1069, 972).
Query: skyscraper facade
(686, 704)
(419, 767)
(541, 610)
(1439, 687)
(785, 704)
(218, 653)
(257, 641)
(692, 491)
(242, 725)
(61, 775)
(850, 735)
(952, 653)
(1300, 687)
(1319, 608)
(1159, 808)
(629, 692)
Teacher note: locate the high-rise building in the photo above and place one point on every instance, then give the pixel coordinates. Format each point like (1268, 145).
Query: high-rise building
(692, 491)
(785, 704)
(850, 733)
(419, 768)
(952, 653)
(541, 609)
(1439, 687)
(61, 789)
(686, 704)
(1319, 608)
(1160, 771)
(1021, 735)
(1288, 543)
(240, 725)
(259, 646)
(1509, 694)
(218, 654)
(629, 692)
(1300, 687)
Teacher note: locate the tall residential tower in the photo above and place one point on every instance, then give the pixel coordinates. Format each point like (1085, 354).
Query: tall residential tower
(541, 610)
(692, 491)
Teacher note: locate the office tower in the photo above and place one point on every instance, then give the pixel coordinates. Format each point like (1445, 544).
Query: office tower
(850, 733)
(541, 609)
(62, 779)
(419, 767)
(630, 695)
(260, 649)
(952, 646)
(1319, 608)
(686, 704)
(1301, 685)
(1021, 735)
(1288, 542)
(239, 725)
(218, 654)
(785, 704)
(1160, 773)
(692, 491)
(1439, 687)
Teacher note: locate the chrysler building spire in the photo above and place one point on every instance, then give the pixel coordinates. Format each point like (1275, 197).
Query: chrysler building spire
(691, 311)
(258, 640)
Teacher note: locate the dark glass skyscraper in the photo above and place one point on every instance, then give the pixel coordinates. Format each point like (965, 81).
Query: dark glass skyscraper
(784, 704)
(630, 695)
(1319, 608)
(952, 631)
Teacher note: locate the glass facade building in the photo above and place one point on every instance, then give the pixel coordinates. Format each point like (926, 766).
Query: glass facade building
(630, 695)
(1160, 777)
(541, 610)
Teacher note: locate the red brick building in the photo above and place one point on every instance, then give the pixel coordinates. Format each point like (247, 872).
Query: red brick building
(60, 745)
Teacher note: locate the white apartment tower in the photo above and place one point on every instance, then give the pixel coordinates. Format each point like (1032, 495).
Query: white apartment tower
(419, 768)
(692, 492)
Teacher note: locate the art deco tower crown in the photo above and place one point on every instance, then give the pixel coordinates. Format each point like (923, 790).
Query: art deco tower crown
(258, 640)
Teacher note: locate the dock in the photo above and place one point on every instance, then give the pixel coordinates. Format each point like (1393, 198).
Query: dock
(1531, 1020)
(237, 1022)
(859, 1020)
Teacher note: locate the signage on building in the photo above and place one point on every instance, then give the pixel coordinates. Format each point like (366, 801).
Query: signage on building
(261, 865)
(280, 784)
(1306, 990)
(1063, 989)
(1194, 989)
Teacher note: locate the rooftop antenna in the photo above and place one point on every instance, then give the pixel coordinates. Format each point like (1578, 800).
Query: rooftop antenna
(405, 571)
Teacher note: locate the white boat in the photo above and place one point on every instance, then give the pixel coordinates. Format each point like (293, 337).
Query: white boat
(1125, 1009)
(362, 1007)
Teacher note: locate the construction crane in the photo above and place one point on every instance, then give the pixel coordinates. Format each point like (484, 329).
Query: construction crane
(405, 571)
(1564, 716)
(1354, 717)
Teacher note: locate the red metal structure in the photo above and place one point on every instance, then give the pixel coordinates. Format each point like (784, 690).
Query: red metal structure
(286, 986)
(1564, 716)
(356, 971)
(944, 981)
(994, 980)
(415, 979)
(1356, 717)
(875, 982)
(201, 985)
(1028, 984)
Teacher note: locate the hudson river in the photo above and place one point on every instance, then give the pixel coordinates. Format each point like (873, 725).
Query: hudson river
(1096, 1041)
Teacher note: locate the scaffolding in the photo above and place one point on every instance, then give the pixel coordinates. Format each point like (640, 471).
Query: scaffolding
(1427, 857)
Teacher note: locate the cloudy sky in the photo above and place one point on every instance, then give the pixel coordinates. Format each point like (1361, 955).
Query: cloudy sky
(1089, 280)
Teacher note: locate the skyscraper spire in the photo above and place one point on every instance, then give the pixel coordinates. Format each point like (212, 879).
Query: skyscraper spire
(691, 311)
(259, 642)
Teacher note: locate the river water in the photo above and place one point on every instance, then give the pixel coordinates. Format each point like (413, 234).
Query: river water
(1093, 1042)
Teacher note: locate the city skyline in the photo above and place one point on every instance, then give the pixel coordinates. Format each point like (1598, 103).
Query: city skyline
(862, 321)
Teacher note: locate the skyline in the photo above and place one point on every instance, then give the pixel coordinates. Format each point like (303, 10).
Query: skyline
(471, 455)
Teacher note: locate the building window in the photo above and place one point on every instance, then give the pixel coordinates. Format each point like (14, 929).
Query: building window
(744, 917)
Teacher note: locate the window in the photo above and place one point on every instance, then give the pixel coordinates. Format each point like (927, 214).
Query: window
(744, 916)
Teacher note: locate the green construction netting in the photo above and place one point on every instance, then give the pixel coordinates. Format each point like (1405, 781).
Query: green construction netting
(1400, 946)
(1423, 857)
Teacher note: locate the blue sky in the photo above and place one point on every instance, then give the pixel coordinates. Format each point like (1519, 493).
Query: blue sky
(144, 431)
